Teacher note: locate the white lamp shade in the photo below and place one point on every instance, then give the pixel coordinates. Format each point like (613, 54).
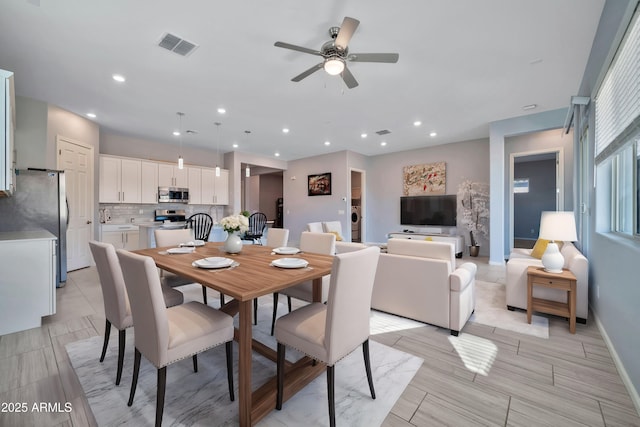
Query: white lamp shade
(180, 163)
(558, 226)
(333, 66)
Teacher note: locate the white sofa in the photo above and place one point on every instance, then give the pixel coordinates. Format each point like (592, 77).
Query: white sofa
(516, 287)
(419, 280)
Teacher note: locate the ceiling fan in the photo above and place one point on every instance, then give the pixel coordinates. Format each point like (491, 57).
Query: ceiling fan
(336, 54)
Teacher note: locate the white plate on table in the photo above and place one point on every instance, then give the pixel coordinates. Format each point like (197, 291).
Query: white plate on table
(286, 250)
(180, 250)
(213, 262)
(195, 243)
(290, 262)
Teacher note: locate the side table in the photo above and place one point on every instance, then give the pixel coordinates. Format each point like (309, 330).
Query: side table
(566, 281)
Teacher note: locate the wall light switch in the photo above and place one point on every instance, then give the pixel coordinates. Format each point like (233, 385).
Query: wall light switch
(340, 212)
(140, 211)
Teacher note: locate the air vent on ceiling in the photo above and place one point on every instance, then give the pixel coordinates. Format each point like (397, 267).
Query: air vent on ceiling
(383, 132)
(177, 44)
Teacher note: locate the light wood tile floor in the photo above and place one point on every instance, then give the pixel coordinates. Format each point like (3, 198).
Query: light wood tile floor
(566, 380)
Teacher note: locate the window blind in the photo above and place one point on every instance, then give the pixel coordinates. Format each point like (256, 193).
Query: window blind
(618, 99)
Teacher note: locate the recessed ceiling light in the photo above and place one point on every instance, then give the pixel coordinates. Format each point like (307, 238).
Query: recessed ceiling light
(285, 130)
(383, 143)
(221, 110)
(433, 134)
(235, 145)
(327, 143)
(277, 154)
(530, 107)
(176, 133)
(119, 78)
(93, 116)
(363, 135)
(417, 123)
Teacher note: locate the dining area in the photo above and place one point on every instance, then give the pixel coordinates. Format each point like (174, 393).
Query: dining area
(240, 279)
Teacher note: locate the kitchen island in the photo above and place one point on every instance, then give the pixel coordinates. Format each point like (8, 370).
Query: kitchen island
(147, 238)
(28, 280)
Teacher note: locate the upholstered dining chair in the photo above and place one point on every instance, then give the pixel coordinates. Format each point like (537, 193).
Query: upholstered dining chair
(167, 335)
(333, 227)
(314, 227)
(328, 333)
(201, 224)
(257, 222)
(277, 237)
(173, 237)
(320, 243)
(116, 301)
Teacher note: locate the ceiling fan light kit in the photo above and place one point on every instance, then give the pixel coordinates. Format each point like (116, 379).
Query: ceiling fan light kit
(334, 66)
(336, 54)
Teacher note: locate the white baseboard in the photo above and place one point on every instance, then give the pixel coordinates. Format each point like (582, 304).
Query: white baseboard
(633, 393)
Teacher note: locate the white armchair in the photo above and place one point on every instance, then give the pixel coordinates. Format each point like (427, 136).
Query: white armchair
(418, 279)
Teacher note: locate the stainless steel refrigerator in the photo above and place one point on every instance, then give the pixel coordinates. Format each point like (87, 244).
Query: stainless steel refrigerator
(39, 202)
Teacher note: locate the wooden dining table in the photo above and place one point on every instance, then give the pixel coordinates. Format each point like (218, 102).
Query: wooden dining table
(253, 277)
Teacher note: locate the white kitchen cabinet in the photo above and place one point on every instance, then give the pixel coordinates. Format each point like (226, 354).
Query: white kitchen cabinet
(215, 189)
(148, 182)
(7, 126)
(169, 175)
(122, 236)
(119, 180)
(28, 284)
(195, 185)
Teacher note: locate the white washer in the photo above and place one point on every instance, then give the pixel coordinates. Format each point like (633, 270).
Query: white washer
(355, 223)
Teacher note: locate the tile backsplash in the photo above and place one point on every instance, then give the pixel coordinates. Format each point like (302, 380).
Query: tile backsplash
(121, 213)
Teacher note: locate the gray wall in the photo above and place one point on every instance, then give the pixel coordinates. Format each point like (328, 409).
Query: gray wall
(299, 208)
(541, 196)
(464, 160)
(613, 262)
(270, 191)
(126, 146)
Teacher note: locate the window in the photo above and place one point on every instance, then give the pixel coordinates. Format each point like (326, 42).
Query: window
(521, 185)
(622, 190)
(617, 145)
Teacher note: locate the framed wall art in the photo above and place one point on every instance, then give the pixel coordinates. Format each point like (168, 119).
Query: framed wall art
(319, 184)
(423, 180)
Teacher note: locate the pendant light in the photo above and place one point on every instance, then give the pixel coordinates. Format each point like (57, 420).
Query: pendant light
(180, 159)
(218, 149)
(247, 170)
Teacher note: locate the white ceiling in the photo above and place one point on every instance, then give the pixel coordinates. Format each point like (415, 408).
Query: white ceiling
(463, 64)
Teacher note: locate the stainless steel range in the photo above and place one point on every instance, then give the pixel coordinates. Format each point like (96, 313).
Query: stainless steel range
(170, 215)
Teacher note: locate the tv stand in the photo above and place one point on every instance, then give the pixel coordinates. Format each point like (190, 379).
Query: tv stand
(458, 241)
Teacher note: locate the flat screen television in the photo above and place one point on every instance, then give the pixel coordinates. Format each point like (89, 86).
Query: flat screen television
(428, 210)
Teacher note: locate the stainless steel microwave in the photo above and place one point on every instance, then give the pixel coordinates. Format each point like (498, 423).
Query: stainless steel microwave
(173, 195)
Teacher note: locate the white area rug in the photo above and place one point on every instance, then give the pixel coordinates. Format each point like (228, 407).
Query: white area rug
(491, 310)
(194, 399)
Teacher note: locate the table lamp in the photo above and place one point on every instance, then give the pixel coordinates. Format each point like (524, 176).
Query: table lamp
(556, 226)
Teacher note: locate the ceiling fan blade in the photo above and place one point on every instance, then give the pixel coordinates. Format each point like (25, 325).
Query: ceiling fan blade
(298, 48)
(348, 78)
(308, 72)
(374, 57)
(347, 29)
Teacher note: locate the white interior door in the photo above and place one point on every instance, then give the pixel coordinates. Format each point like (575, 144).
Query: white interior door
(76, 159)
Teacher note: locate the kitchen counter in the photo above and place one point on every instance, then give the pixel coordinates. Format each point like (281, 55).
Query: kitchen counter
(9, 236)
(28, 282)
(148, 240)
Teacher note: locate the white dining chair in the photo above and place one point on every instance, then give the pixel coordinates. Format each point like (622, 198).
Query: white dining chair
(167, 335)
(314, 227)
(173, 237)
(329, 332)
(277, 237)
(320, 243)
(117, 310)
